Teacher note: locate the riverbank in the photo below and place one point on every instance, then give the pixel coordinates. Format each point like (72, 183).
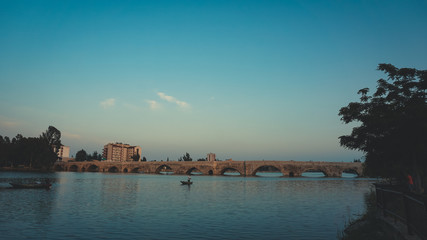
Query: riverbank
(23, 169)
(374, 226)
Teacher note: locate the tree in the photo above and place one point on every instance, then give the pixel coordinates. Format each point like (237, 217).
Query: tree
(81, 156)
(186, 157)
(30, 152)
(52, 136)
(95, 156)
(136, 157)
(144, 159)
(393, 124)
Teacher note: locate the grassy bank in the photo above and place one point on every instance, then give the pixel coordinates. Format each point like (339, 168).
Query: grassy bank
(368, 226)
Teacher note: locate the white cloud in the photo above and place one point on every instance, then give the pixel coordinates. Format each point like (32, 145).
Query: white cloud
(107, 103)
(171, 99)
(153, 104)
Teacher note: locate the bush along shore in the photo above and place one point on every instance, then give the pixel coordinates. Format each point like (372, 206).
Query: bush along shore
(374, 226)
(368, 226)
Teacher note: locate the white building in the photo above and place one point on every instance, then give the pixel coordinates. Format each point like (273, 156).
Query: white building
(211, 157)
(63, 153)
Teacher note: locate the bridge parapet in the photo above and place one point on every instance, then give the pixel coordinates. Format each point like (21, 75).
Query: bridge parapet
(245, 168)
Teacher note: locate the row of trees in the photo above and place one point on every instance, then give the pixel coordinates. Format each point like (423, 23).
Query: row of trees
(393, 125)
(34, 152)
(186, 157)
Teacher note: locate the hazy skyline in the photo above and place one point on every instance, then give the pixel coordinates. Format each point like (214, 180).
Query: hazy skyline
(248, 80)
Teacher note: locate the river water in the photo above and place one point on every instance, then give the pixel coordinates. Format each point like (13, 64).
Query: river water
(143, 206)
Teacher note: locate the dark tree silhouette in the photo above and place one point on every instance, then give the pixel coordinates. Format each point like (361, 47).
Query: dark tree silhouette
(81, 156)
(53, 138)
(37, 153)
(187, 157)
(393, 124)
(136, 157)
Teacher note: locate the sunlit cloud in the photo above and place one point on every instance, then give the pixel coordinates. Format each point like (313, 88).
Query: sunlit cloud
(171, 99)
(108, 103)
(70, 135)
(8, 124)
(153, 104)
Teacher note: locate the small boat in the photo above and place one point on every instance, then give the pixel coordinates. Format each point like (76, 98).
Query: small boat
(31, 185)
(186, 182)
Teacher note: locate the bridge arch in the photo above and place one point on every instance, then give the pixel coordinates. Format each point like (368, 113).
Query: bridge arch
(73, 168)
(315, 170)
(193, 170)
(350, 171)
(230, 169)
(268, 168)
(113, 169)
(164, 168)
(93, 168)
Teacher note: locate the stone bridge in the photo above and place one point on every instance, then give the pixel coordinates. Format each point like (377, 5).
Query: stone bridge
(245, 168)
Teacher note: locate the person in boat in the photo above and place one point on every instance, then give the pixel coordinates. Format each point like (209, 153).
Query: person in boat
(189, 179)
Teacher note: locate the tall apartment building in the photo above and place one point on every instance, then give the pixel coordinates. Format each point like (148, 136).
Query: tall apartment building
(63, 153)
(119, 152)
(211, 157)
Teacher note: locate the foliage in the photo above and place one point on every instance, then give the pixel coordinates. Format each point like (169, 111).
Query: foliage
(136, 157)
(201, 159)
(144, 159)
(31, 152)
(81, 156)
(52, 137)
(393, 124)
(367, 226)
(95, 156)
(185, 157)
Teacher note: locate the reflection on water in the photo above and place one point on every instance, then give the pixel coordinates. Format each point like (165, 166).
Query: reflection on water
(123, 206)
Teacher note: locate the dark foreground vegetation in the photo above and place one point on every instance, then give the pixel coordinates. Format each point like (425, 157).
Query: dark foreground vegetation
(393, 137)
(368, 226)
(393, 126)
(32, 152)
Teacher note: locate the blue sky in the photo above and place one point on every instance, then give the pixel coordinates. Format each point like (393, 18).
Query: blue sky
(247, 80)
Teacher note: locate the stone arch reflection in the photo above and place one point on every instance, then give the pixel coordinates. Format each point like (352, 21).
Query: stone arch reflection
(267, 171)
(230, 172)
(164, 169)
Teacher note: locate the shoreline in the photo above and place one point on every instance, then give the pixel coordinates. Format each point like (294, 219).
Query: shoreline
(24, 169)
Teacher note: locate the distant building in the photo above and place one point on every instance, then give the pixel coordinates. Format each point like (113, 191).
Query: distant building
(118, 152)
(63, 153)
(211, 157)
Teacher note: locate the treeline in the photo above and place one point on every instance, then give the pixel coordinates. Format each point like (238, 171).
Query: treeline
(34, 152)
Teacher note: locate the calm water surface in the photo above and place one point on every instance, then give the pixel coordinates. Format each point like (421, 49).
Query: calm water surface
(142, 206)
